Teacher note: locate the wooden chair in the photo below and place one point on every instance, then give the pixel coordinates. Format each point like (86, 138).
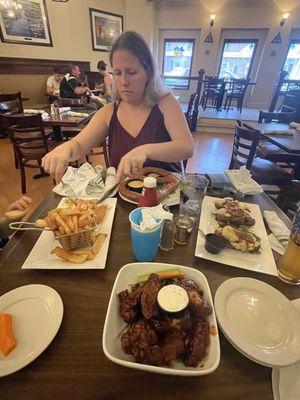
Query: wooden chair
(211, 91)
(189, 112)
(263, 171)
(11, 103)
(236, 92)
(29, 141)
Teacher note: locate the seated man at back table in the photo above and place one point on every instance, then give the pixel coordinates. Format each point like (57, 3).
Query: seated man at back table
(53, 84)
(72, 87)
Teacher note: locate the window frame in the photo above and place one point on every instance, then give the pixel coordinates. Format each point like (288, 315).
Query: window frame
(296, 41)
(191, 65)
(255, 41)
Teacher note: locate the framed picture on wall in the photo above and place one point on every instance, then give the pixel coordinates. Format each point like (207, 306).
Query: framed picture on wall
(105, 28)
(25, 22)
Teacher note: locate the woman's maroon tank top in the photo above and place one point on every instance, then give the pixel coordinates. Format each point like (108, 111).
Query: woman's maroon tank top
(121, 142)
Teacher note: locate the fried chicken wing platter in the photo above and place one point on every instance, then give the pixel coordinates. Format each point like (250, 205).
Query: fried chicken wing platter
(75, 228)
(235, 224)
(162, 329)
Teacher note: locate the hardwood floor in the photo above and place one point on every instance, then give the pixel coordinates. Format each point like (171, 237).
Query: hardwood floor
(211, 154)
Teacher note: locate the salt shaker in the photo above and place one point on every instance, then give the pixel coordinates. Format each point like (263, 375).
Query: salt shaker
(166, 241)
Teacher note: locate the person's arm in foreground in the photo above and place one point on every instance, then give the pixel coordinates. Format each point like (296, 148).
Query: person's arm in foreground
(179, 148)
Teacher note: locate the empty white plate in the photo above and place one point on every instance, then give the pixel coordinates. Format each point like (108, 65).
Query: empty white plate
(285, 381)
(37, 312)
(259, 321)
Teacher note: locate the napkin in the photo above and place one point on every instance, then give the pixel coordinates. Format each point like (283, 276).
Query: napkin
(283, 132)
(280, 233)
(45, 115)
(295, 125)
(64, 109)
(76, 114)
(33, 111)
(242, 181)
(152, 216)
(85, 181)
(111, 178)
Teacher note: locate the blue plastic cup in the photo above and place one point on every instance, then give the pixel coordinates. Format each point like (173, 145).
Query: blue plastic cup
(144, 243)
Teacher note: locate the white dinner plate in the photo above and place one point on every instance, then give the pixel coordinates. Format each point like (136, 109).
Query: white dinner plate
(40, 256)
(37, 312)
(114, 325)
(285, 381)
(259, 321)
(261, 262)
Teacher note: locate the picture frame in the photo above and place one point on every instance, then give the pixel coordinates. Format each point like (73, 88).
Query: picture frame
(28, 24)
(105, 28)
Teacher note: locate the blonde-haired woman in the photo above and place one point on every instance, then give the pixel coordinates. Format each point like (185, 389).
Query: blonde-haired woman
(145, 125)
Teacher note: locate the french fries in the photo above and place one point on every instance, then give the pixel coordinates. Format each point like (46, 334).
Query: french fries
(78, 216)
(81, 255)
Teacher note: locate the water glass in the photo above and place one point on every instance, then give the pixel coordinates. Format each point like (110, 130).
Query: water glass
(193, 190)
(144, 242)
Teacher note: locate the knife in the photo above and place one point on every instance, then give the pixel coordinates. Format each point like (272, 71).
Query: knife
(109, 192)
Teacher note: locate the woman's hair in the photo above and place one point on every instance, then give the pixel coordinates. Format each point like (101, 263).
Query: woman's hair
(101, 65)
(136, 45)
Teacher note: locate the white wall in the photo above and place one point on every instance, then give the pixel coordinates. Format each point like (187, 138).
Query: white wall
(70, 30)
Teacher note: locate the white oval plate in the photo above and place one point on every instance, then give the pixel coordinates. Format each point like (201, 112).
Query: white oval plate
(172, 200)
(285, 381)
(114, 324)
(37, 312)
(259, 321)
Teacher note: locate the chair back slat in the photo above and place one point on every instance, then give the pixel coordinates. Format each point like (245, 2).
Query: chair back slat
(245, 139)
(11, 103)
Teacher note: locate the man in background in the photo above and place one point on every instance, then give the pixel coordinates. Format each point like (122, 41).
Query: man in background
(72, 87)
(53, 83)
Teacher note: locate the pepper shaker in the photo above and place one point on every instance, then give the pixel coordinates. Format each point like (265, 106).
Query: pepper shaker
(166, 241)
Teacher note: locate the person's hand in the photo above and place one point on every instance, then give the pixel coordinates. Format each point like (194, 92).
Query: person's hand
(20, 204)
(132, 163)
(56, 162)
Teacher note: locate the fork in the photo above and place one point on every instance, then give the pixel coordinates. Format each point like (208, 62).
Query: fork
(71, 194)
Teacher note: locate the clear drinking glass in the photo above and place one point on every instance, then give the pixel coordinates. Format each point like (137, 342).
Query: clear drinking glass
(193, 190)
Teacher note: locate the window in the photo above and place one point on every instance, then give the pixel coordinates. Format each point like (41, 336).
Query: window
(292, 62)
(177, 61)
(237, 58)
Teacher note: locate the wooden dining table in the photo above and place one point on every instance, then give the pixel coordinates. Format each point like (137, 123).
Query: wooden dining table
(64, 120)
(74, 365)
(288, 143)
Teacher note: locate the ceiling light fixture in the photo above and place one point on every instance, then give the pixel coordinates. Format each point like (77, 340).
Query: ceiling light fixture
(284, 18)
(212, 19)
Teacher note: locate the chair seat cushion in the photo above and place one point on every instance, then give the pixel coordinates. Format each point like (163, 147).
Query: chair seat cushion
(265, 172)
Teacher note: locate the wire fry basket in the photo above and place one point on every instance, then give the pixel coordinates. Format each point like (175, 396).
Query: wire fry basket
(76, 240)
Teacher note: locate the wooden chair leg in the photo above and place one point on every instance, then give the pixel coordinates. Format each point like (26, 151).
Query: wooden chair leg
(16, 160)
(23, 178)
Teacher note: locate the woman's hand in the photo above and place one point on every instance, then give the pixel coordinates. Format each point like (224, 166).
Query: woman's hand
(21, 204)
(56, 162)
(132, 162)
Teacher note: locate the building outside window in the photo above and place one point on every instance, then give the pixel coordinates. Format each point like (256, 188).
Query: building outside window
(292, 62)
(177, 61)
(237, 58)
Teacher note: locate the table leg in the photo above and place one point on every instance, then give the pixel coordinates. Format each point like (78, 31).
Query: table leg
(57, 134)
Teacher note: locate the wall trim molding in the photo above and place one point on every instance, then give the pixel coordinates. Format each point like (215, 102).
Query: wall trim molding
(36, 66)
